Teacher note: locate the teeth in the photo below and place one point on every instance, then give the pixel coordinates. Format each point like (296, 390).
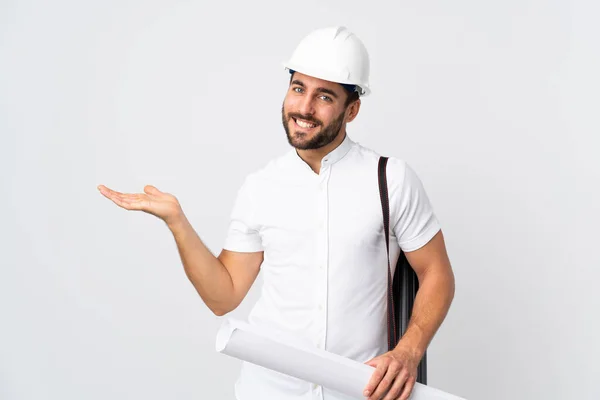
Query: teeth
(304, 124)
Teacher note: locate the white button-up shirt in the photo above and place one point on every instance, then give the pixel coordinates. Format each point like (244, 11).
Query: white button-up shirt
(325, 262)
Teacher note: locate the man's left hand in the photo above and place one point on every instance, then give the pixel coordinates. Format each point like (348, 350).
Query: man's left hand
(395, 374)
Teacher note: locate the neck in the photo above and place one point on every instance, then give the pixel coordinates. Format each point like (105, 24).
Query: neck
(313, 157)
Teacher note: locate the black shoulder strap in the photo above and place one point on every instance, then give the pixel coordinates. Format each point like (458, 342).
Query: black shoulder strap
(385, 207)
(402, 289)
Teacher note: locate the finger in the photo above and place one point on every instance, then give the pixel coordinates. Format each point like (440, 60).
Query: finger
(130, 197)
(116, 196)
(104, 190)
(408, 387)
(372, 389)
(398, 384)
(126, 201)
(386, 383)
(374, 361)
(135, 202)
(107, 191)
(112, 194)
(151, 189)
(120, 202)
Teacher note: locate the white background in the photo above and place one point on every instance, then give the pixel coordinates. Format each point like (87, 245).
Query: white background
(495, 105)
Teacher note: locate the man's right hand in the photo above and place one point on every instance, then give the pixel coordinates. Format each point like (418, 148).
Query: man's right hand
(162, 205)
(222, 282)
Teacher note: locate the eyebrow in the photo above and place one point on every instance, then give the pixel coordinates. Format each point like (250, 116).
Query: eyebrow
(319, 89)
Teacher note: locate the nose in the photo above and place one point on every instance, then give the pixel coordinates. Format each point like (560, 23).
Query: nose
(307, 106)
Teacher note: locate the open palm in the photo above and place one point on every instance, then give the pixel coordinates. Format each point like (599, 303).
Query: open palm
(162, 205)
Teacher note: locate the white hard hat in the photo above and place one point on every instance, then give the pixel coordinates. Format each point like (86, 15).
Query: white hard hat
(333, 54)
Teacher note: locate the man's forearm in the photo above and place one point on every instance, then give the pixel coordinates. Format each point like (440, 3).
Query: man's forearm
(209, 276)
(431, 306)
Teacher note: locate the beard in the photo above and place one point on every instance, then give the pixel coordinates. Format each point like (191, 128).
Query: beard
(326, 134)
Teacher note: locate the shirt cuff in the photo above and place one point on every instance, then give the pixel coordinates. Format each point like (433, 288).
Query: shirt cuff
(428, 233)
(243, 245)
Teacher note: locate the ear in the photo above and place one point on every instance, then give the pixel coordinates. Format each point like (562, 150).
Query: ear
(353, 110)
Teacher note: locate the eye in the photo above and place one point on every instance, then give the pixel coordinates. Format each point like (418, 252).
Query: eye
(297, 89)
(326, 98)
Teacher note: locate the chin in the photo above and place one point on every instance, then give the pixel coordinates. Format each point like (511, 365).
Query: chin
(301, 138)
(299, 142)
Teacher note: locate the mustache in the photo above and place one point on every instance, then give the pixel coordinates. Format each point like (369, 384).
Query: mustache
(305, 118)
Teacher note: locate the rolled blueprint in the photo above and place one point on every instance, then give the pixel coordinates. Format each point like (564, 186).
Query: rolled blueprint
(249, 343)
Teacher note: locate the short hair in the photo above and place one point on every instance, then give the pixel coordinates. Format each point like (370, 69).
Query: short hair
(352, 97)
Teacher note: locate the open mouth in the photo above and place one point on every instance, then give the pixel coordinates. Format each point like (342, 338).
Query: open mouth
(304, 124)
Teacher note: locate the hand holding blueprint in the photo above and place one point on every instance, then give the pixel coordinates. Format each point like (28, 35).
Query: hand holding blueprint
(248, 343)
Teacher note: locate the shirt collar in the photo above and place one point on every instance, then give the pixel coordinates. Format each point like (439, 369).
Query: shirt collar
(339, 152)
(331, 158)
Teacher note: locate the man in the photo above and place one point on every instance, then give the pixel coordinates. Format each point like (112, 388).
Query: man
(311, 221)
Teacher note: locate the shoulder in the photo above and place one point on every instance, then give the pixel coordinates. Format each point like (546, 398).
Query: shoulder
(400, 175)
(364, 153)
(396, 168)
(403, 179)
(269, 171)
